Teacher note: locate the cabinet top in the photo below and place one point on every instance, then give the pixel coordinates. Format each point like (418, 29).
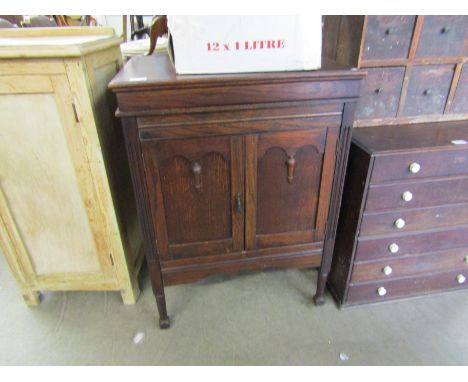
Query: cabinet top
(412, 136)
(157, 71)
(55, 42)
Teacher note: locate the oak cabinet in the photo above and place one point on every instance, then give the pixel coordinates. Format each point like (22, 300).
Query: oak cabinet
(235, 172)
(68, 216)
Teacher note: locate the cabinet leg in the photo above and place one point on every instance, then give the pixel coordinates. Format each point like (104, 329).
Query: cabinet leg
(319, 298)
(158, 291)
(130, 295)
(164, 321)
(31, 298)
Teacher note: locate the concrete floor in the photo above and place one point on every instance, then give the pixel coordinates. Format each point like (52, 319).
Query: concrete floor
(263, 318)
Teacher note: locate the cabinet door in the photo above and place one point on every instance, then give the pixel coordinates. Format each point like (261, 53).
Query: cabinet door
(288, 184)
(195, 187)
(48, 201)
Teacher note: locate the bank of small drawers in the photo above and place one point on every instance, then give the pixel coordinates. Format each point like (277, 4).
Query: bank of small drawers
(413, 236)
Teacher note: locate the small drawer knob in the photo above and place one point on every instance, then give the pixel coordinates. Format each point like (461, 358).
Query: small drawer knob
(407, 196)
(381, 291)
(378, 90)
(444, 30)
(460, 279)
(466, 259)
(427, 92)
(399, 223)
(414, 168)
(387, 270)
(387, 31)
(393, 248)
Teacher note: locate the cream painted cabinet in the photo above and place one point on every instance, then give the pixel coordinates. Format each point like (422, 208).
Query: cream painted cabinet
(68, 215)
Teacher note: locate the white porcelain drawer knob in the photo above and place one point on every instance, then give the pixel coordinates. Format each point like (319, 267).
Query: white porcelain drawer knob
(387, 270)
(381, 291)
(466, 259)
(393, 248)
(461, 279)
(407, 196)
(414, 167)
(399, 223)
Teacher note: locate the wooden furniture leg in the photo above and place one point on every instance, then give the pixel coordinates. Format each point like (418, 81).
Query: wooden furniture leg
(158, 291)
(158, 29)
(138, 179)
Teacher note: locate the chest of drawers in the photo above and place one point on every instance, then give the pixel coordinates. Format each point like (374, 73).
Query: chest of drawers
(403, 226)
(417, 65)
(235, 172)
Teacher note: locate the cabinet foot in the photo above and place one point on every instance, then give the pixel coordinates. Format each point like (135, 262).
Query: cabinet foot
(31, 298)
(130, 295)
(164, 323)
(319, 300)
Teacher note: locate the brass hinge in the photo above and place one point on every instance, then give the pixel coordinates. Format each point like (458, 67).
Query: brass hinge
(111, 259)
(75, 112)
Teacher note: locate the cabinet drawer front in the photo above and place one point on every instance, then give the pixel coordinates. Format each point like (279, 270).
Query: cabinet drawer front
(419, 165)
(400, 221)
(406, 287)
(428, 89)
(393, 247)
(443, 36)
(387, 37)
(380, 93)
(460, 101)
(389, 269)
(417, 194)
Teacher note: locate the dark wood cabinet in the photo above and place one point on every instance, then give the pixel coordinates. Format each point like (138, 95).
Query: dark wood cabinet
(403, 226)
(417, 65)
(235, 172)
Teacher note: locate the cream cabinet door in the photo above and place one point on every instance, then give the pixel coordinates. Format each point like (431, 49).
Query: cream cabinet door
(51, 225)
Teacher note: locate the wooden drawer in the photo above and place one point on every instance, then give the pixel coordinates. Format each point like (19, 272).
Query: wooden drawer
(414, 219)
(460, 101)
(443, 36)
(389, 269)
(380, 93)
(402, 245)
(387, 37)
(424, 193)
(411, 286)
(439, 163)
(428, 89)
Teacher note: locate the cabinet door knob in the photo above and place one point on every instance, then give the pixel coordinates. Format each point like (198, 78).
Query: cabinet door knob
(378, 90)
(466, 259)
(393, 248)
(196, 170)
(414, 168)
(387, 270)
(444, 30)
(290, 164)
(427, 92)
(381, 291)
(460, 279)
(407, 196)
(399, 223)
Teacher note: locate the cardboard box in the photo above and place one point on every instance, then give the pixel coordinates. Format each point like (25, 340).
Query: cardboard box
(239, 44)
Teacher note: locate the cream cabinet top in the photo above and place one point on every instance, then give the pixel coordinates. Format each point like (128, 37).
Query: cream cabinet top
(54, 42)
